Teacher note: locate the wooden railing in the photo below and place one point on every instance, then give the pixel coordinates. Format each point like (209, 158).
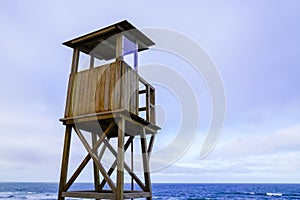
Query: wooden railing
(149, 108)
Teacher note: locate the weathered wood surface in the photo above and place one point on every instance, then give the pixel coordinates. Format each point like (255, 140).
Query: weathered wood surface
(65, 161)
(105, 88)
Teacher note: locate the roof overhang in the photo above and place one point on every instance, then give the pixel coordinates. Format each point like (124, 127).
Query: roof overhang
(103, 41)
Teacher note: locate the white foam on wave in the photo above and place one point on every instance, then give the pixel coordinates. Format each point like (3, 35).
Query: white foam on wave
(251, 193)
(6, 195)
(273, 194)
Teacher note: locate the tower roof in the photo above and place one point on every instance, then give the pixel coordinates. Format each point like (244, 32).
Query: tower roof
(102, 43)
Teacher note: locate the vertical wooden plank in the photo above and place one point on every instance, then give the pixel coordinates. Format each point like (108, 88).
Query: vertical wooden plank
(122, 88)
(134, 92)
(68, 109)
(94, 90)
(147, 102)
(83, 92)
(146, 163)
(89, 88)
(102, 88)
(88, 92)
(75, 60)
(117, 87)
(152, 106)
(112, 87)
(80, 93)
(106, 88)
(120, 160)
(131, 95)
(65, 162)
(132, 163)
(97, 94)
(119, 47)
(137, 94)
(76, 94)
(96, 171)
(126, 87)
(114, 107)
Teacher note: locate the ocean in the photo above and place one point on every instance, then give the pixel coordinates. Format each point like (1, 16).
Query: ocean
(10, 191)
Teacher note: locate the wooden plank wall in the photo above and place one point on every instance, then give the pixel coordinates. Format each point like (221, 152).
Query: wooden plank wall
(105, 88)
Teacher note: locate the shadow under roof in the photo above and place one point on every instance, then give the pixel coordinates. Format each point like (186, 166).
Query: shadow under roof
(102, 42)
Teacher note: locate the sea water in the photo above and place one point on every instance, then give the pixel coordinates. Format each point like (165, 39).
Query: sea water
(10, 191)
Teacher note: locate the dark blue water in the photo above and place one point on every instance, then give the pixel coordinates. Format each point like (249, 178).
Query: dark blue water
(48, 191)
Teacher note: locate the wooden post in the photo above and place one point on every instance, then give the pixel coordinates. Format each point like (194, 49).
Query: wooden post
(65, 162)
(74, 69)
(75, 61)
(96, 171)
(92, 61)
(148, 103)
(132, 167)
(119, 47)
(120, 160)
(146, 164)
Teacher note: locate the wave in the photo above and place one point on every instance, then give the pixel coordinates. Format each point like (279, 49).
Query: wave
(273, 194)
(6, 195)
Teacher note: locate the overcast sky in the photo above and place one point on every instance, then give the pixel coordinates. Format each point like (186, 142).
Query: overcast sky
(254, 45)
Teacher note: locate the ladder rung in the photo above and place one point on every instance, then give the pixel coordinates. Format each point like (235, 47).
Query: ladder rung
(142, 91)
(142, 109)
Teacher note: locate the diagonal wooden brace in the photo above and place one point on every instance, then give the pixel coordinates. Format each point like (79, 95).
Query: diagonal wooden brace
(88, 157)
(95, 158)
(113, 166)
(130, 172)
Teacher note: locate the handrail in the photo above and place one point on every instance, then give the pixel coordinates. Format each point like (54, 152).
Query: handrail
(150, 100)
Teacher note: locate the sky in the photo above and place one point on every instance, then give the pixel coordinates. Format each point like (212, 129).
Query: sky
(253, 44)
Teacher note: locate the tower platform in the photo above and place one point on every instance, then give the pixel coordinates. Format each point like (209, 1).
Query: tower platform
(96, 122)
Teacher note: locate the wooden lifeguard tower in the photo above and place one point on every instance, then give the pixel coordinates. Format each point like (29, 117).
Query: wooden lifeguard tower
(104, 102)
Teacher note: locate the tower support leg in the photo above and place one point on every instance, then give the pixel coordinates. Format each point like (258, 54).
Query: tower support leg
(96, 171)
(65, 162)
(146, 168)
(120, 160)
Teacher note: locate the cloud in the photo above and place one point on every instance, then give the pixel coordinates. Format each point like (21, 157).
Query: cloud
(264, 157)
(284, 140)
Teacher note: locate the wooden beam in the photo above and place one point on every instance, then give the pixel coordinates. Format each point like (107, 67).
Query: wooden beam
(92, 61)
(92, 194)
(148, 103)
(139, 194)
(142, 91)
(142, 109)
(77, 172)
(150, 147)
(119, 47)
(65, 162)
(120, 160)
(112, 167)
(84, 194)
(146, 163)
(96, 171)
(132, 163)
(102, 152)
(95, 159)
(75, 60)
(130, 172)
(87, 159)
(103, 135)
